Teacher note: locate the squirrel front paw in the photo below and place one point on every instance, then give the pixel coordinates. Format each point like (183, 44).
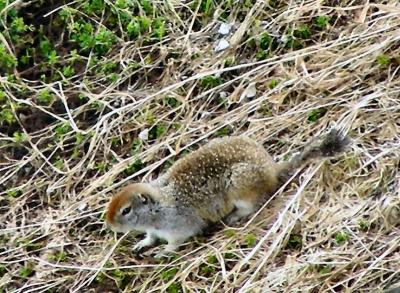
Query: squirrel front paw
(146, 242)
(167, 252)
(164, 254)
(138, 247)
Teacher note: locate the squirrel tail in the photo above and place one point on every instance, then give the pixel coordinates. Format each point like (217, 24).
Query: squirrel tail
(329, 145)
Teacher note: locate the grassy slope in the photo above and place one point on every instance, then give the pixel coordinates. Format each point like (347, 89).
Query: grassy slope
(80, 81)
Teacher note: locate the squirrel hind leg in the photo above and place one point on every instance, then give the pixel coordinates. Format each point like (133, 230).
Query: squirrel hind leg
(243, 208)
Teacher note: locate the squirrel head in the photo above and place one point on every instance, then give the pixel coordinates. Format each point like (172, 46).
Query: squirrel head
(132, 207)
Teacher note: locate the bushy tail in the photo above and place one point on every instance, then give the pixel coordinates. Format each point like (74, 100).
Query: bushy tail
(329, 145)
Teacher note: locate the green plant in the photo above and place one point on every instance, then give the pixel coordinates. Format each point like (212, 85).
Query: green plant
(207, 270)
(159, 28)
(383, 60)
(295, 241)
(206, 6)
(59, 163)
(146, 6)
(7, 116)
(60, 256)
(224, 131)
(19, 137)
(302, 32)
(212, 259)
(101, 166)
(27, 270)
(273, 83)
(174, 288)
(315, 114)
(171, 101)
(341, 237)
(250, 240)
(211, 81)
(13, 192)
(363, 225)
(168, 274)
(94, 6)
(326, 269)
(265, 41)
(3, 271)
(230, 232)
(261, 55)
(45, 97)
(133, 28)
(68, 71)
(321, 22)
(229, 256)
(133, 168)
(46, 47)
(136, 146)
(7, 61)
(157, 130)
(62, 129)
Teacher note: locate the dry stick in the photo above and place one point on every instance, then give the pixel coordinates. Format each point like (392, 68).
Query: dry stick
(186, 39)
(243, 28)
(95, 269)
(64, 101)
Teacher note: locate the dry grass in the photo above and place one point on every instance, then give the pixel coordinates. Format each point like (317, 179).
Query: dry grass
(335, 229)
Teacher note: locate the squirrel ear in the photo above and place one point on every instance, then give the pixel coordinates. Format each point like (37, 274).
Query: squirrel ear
(146, 198)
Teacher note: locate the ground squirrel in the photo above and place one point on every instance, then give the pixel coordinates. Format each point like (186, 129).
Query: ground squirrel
(228, 178)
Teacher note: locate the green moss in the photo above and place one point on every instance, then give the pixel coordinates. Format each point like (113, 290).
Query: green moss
(171, 101)
(45, 97)
(3, 271)
(230, 233)
(273, 83)
(212, 259)
(302, 32)
(315, 114)
(13, 192)
(383, 60)
(261, 55)
(135, 167)
(211, 81)
(174, 288)
(321, 22)
(60, 256)
(251, 240)
(363, 225)
(207, 270)
(168, 274)
(7, 61)
(157, 131)
(62, 130)
(7, 116)
(19, 137)
(295, 241)
(341, 238)
(27, 270)
(224, 131)
(326, 269)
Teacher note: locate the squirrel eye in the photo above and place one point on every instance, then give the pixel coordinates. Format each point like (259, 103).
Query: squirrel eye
(126, 211)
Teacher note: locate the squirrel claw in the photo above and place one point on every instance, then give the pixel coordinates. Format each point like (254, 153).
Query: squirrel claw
(138, 248)
(164, 255)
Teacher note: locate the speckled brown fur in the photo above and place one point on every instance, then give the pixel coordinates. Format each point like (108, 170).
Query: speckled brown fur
(230, 168)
